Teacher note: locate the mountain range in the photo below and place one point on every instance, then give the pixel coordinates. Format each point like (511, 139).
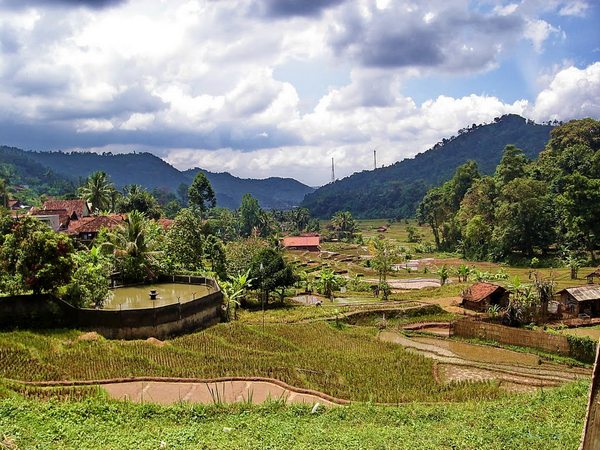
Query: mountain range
(392, 191)
(54, 170)
(396, 190)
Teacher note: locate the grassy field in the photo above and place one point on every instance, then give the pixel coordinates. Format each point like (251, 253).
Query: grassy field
(348, 363)
(546, 420)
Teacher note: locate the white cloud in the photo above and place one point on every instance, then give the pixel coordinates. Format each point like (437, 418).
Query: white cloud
(538, 31)
(194, 79)
(574, 8)
(573, 93)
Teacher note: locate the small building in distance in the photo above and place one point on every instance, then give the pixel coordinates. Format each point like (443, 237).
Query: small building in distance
(311, 243)
(481, 296)
(581, 300)
(595, 274)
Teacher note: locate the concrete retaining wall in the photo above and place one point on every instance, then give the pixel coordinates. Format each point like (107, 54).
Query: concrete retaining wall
(46, 311)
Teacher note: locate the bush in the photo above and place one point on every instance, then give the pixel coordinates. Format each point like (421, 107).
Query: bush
(582, 348)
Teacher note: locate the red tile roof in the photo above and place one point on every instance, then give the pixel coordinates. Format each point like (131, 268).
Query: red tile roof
(94, 224)
(480, 291)
(301, 241)
(78, 207)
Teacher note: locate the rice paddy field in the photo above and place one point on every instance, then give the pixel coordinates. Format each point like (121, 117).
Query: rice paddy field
(346, 362)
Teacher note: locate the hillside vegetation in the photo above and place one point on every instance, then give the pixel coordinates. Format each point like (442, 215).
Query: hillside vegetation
(55, 173)
(396, 190)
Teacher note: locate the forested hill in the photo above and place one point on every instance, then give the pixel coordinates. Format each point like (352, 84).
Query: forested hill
(396, 190)
(274, 192)
(150, 172)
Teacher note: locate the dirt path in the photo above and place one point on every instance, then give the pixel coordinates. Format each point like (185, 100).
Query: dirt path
(165, 392)
(460, 361)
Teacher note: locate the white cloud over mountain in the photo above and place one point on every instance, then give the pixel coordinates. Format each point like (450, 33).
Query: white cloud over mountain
(194, 80)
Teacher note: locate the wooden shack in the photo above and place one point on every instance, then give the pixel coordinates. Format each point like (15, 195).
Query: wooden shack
(581, 300)
(595, 274)
(481, 296)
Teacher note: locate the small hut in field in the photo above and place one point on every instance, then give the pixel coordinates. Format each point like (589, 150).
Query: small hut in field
(581, 300)
(481, 296)
(595, 274)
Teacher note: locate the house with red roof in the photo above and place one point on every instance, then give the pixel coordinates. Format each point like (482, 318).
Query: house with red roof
(76, 209)
(311, 243)
(481, 296)
(87, 228)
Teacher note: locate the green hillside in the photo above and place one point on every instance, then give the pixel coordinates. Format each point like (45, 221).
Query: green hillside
(47, 169)
(396, 190)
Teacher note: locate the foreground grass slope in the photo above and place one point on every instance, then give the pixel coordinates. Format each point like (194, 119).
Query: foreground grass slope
(348, 363)
(546, 420)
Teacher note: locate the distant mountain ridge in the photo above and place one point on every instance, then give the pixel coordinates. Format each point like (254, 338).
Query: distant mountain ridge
(152, 172)
(396, 190)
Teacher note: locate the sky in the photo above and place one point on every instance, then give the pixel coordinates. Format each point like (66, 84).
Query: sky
(264, 88)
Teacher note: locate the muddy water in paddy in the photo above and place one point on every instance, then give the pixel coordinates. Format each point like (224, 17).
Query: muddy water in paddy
(481, 353)
(460, 361)
(136, 297)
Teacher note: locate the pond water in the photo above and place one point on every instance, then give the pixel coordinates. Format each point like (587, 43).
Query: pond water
(138, 297)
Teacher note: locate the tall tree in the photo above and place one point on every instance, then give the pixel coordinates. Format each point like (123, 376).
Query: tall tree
(98, 191)
(185, 241)
(250, 215)
(201, 194)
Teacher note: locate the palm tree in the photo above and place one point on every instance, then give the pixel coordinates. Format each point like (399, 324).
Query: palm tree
(344, 224)
(131, 237)
(98, 191)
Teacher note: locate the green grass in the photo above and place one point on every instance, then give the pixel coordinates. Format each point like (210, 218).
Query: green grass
(349, 363)
(547, 420)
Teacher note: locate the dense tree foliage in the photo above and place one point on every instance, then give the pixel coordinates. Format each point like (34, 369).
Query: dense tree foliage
(33, 257)
(138, 199)
(527, 206)
(396, 190)
(271, 272)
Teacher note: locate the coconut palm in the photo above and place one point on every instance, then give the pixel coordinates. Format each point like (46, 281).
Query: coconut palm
(98, 191)
(344, 224)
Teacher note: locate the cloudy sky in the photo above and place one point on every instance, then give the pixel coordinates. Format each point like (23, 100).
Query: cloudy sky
(279, 87)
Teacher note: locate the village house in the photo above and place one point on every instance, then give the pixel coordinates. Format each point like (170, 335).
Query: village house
(87, 228)
(581, 300)
(309, 243)
(481, 296)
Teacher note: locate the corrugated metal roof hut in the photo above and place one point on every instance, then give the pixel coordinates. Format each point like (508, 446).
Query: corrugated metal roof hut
(581, 300)
(481, 296)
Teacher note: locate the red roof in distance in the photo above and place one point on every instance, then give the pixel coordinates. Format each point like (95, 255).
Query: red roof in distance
(480, 291)
(301, 241)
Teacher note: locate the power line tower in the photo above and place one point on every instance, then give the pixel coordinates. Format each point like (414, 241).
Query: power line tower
(332, 171)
